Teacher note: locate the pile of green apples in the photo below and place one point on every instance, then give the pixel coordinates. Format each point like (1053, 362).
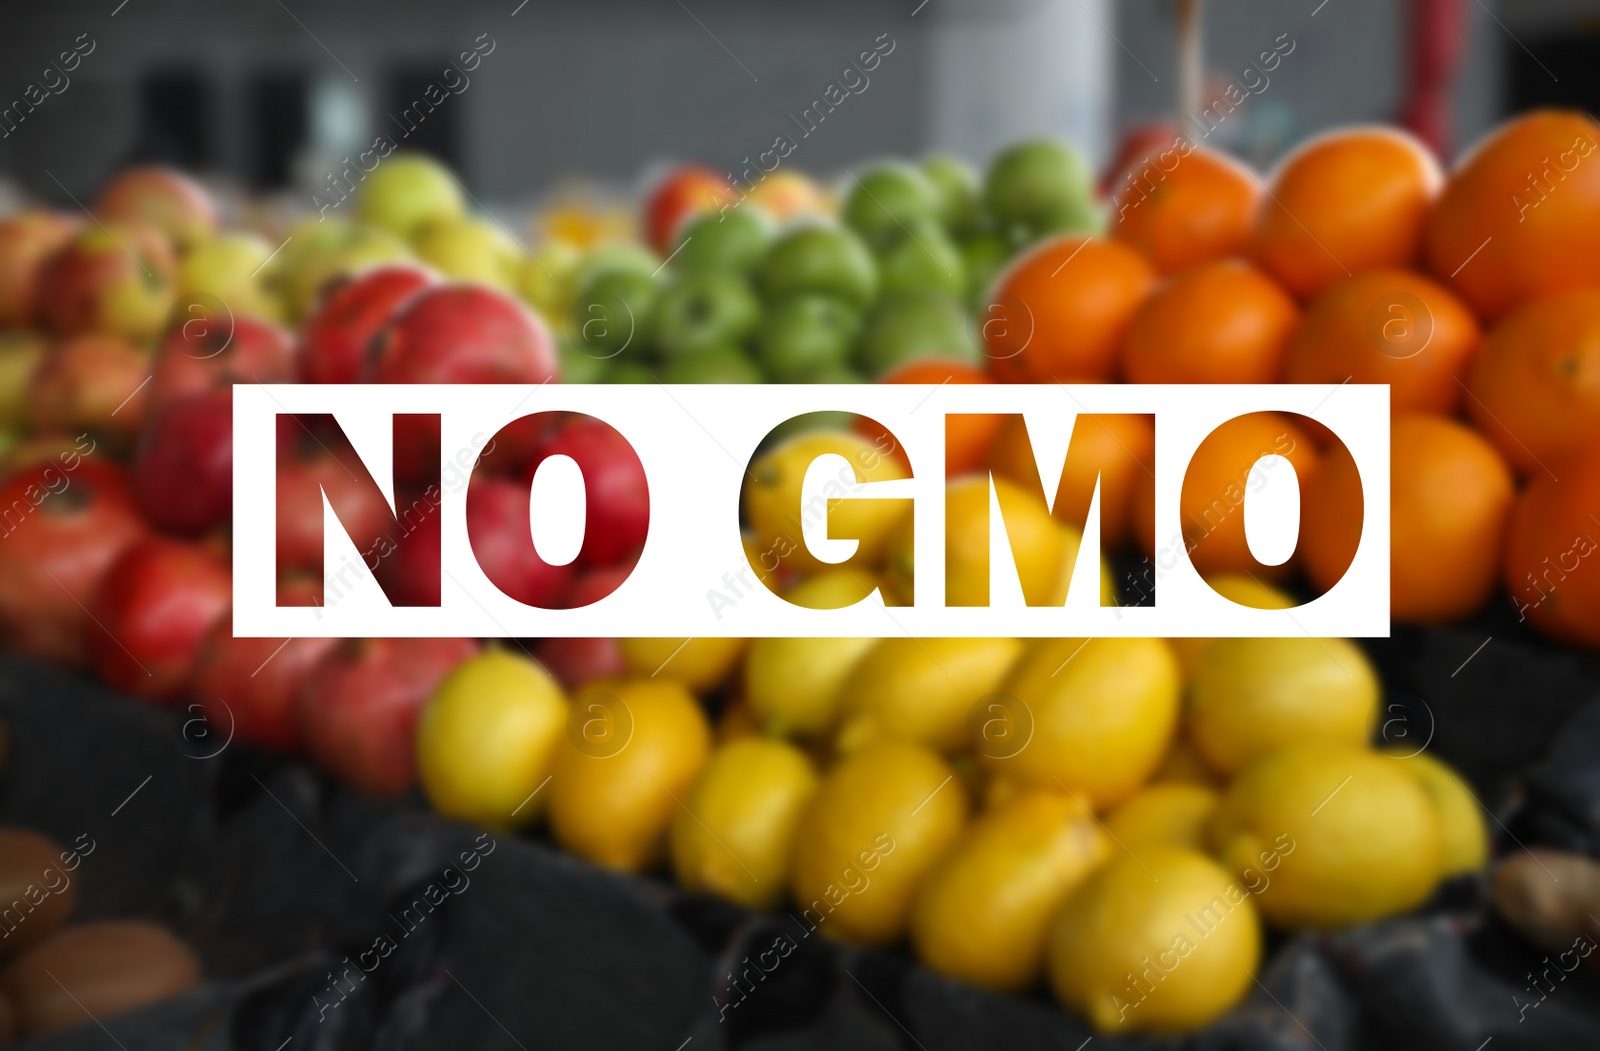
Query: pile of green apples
(895, 279)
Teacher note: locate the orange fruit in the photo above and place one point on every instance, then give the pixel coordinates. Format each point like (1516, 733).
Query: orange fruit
(1222, 322)
(1211, 502)
(1345, 203)
(1388, 326)
(1450, 497)
(1553, 552)
(1199, 210)
(1118, 449)
(1536, 385)
(1060, 311)
(967, 437)
(1520, 216)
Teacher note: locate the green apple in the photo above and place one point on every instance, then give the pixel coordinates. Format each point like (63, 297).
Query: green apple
(228, 267)
(883, 201)
(1040, 187)
(544, 279)
(611, 313)
(20, 353)
(957, 187)
(984, 256)
(922, 259)
(735, 240)
(838, 373)
(704, 312)
(407, 190)
(804, 333)
(629, 372)
(721, 365)
(577, 366)
(806, 423)
(824, 259)
(912, 326)
(464, 248)
(615, 255)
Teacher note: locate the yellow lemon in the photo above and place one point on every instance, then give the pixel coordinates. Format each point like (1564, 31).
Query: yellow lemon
(631, 751)
(487, 739)
(732, 836)
(921, 690)
(877, 824)
(983, 912)
(772, 500)
(1102, 711)
(1162, 944)
(1330, 835)
(1168, 815)
(700, 663)
(793, 685)
(1242, 588)
(1249, 697)
(1466, 840)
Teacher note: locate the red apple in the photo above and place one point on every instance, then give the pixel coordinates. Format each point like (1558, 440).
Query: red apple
(166, 199)
(152, 611)
(90, 383)
(361, 510)
(358, 710)
(409, 572)
(206, 352)
(579, 661)
(334, 345)
(27, 242)
(683, 193)
(63, 522)
(253, 685)
(458, 334)
(501, 533)
(616, 495)
(114, 278)
(183, 472)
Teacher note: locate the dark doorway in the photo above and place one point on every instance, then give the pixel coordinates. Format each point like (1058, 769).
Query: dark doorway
(278, 127)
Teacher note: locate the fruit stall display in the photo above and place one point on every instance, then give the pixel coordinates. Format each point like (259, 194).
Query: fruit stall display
(1154, 831)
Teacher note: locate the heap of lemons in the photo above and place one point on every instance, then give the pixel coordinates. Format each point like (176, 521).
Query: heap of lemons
(1118, 817)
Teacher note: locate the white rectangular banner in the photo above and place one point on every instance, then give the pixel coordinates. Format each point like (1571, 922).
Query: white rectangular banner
(695, 444)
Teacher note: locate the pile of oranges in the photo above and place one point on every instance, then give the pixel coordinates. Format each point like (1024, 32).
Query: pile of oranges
(1475, 295)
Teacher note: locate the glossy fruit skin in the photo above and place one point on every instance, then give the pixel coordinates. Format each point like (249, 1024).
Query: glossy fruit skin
(1531, 187)
(1040, 187)
(1114, 450)
(1172, 814)
(983, 913)
(1466, 838)
(358, 710)
(335, 339)
(1221, 322)
(90, 383)
(1345, 203)
(28, 240)
(733, 836)
(875, 828)
(1372, 849)
(499, 529)
(822, 259)
(1535, 387)
(803, 333)
(912, 327)
(487, 738)
(152, 611)
(1450, 499)
(885, 198)
(406, 191)
(116, 280)
(684, 193)
(1103, 716)
(733, 241)
(164, 198)
(81, 519)
(1388, 326)
(249, 687)
(1042, 549)
(700, 664)
(207, 353)
(616, 494)
(1115, 953)
(1551, 543)
(183, 471)
(920, 690)
(1249, 697)
(1200, 210)
(612, 798)
(1059, 312)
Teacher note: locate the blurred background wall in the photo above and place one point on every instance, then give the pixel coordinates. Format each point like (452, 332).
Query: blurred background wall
(273, 93)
